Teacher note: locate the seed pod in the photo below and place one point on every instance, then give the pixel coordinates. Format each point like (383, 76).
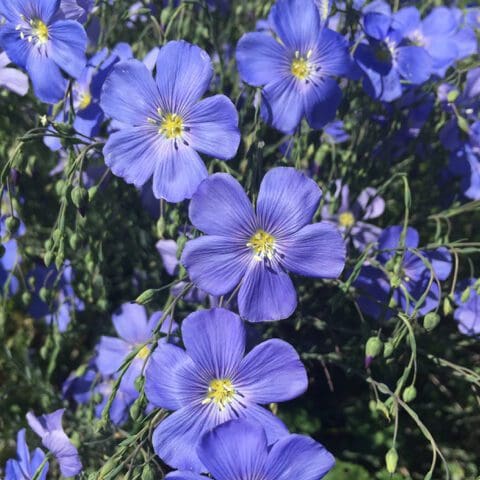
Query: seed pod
(430, 321)
(391, 459)
(388, 349)
(409, 394)
(146, 297)
(12, 224)
(79, 197)
(373, 347)
(148, 473)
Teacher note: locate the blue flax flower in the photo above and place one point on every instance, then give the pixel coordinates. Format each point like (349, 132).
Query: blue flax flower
(26, 464)
(297, 72)
(165, 123)
(238, 450)
(35, 39)
(467, 314)
(213, 381)
(388, 58)
(49, 428)
(256, 250)
(402, 278)
(11, 78)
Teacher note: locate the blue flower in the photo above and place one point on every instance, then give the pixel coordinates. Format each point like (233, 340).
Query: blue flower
(49, 428)
(165, 123)
(297, 74)
(388, 58)
(467, 314)
(8, 261)
(256, 250)
(403, 278)
(26, 464)
(239, 450)
(11, 78)
(214, 381)
(36, 40)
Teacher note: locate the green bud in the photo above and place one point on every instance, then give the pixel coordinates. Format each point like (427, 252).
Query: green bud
(59, 260)
(139, 383)
(146, 297)
(92, 191)
(79, 197)
(465, 295)
(409, 394)
(395, 281)
(57, 235)
(107, 468)
(48, 244)
(12, 224)
(44, 294)
(161, 227)
(182, 240)
(430, 321)
(74, 241)
(60, 187)
(391, 459)
(453, 95)
(64, 128)
(136, 409)
(373, 347)
(463, 125)
(388, 349)
(26, 298)
(148, 473)
(447, 306)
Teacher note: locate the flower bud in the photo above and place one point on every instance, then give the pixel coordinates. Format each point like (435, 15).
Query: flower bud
(146, 297)
(147, 473)
(452, 95)
(12, 224)
(409, 394)
(465, 295)
(463, 124)
(388, 349)
(79, 197)
(447, 306)
(373, 347)
(26, 298)
(430, 321)
(391, 459)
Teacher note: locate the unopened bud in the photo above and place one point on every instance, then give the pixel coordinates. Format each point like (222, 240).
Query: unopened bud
(146, 297)
(391, 459)
(79, 197)
(447, 306)
(147, 473)
(465, 295)
(409, 394)
(430, 321)
(12, 224)
(388, 349)
(373, 347)
(452, 95)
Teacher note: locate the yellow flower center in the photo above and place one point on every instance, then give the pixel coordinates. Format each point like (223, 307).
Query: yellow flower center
(85, 100)
(262, 244)
(143, 353)
(172, 126)
(300, 68)
(221, 392)
(40, 30)
(346, 219)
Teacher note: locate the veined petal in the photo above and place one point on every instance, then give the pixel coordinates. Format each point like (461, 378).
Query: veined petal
(376, 25)
(274, 428)
(259, 58)
(43, 9)
(213, 125)
(390, 239)
(235, 450)
(287, 201)
(215, 264)
(440, 21)
(317, 250)
(121, 102)
(133, 152)
(321, 102)
(64, 451)
(130, 322)
(184, 72)
(220, 206)
(111, 352)
(441, 261)
(14, 80)
(369, 204)
(414, 64)
(67, 45)
(331, 54)
(215, 340)
(271, 372)
(299, 456)
(184, 475)
(266, 294)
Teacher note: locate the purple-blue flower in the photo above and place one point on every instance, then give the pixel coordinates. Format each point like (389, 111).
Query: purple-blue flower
(255, 250)
(11, 78)
(35, 39)
(26, 464)
(166, 123)
(350, 216)
(213, 381)
(297, 71)
(402, 277)
(467, 313)
(239, 450)
(49, 428)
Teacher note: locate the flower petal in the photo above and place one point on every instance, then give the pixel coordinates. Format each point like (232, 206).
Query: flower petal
(130, 322)
(184, 72)
(273, 426)
(441, 261)
(178, 172)
(376, 25)
(235, 450)
(215, 340)
(287, 201)
(369, 204)
(184, 475)
(111, 352)
(18, 50)
(271, 372)
(414, 64)
(266, 294)
(321, 102)
(215, 264)
(259, 58)
(132, 106)
(220, 206)
(14, 80)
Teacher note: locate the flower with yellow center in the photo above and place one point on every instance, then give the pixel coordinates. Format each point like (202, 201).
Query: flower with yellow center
(262, 244)
(143, 353)
(39, 30)
(85, 100)
(220, 392)
(301, 68)
(172, 126)
(346, 219)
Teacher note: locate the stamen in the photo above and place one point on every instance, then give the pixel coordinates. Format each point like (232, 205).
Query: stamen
(263, 245)
(221, 392)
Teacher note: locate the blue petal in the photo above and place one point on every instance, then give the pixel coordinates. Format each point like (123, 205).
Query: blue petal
(376, 25)
(171, 379)
(213, 125)
(215, 264)
(130, 322)
(390, 238)
(466, 42)
(299, 456)
(220, 206)
(273, 426)
(168, 251)
(215, 340)
(374, 292)
(235, 450)
(65, 453)
(129, 93)
(67, 45)
(331, 54)
(321, 102)
(111, 352)
(259, 58)
(14, 80)
(441, 261)
(178, 172)
(317, 250)
(184, 72)
(271, 372)
(47, 80)
(414, 64)
(132, 153)
(18, 50)
(297, 23)
(266, 294)
(184, 475)
(443, 51)
(37, 459)
(43, 9)
(287, 201)
(406, 20)
(440, 21)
